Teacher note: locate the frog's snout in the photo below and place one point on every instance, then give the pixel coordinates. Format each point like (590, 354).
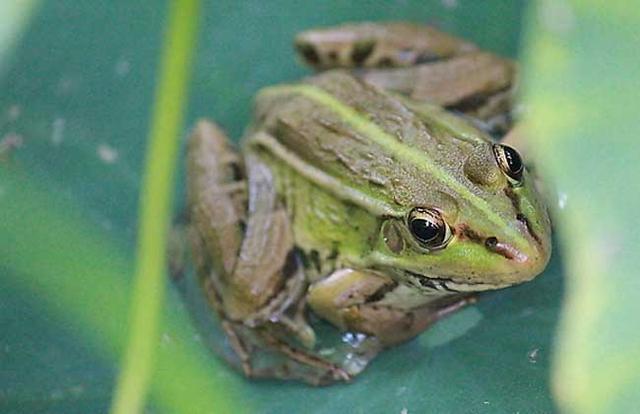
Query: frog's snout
(527, 263)
(538, 259)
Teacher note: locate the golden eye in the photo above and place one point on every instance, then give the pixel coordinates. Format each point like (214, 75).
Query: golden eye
(429, 228)
(509, 162)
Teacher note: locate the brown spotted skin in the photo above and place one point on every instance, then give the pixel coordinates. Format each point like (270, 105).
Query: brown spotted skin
(376, 45)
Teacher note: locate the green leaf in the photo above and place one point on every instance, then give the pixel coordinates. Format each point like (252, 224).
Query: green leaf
(79, 93)
(583, 89)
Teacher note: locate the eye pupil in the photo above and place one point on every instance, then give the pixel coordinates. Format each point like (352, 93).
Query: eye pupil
(513, 160)
(509, 161)
(428, 227)
(424, 230)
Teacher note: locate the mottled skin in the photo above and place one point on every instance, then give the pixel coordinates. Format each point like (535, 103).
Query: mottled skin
(315, 212)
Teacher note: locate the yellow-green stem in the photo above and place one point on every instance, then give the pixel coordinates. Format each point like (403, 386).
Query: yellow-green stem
(155, 207)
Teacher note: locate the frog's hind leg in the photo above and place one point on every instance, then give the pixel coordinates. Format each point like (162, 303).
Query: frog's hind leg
(243, 248)
(217, 195)
(376, 45)
(421, 63)
(217, 213)
(479, 85)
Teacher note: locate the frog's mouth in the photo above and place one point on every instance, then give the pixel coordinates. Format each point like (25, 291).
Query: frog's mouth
(444, 285)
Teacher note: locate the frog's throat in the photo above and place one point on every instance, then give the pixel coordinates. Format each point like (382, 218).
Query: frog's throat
(420, 159)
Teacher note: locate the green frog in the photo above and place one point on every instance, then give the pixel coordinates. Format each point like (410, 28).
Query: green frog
(371, 196)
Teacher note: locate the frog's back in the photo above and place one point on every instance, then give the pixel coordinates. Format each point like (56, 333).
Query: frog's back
(371, 140)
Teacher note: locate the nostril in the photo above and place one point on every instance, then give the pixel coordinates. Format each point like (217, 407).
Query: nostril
(504, 249)
(491, 242)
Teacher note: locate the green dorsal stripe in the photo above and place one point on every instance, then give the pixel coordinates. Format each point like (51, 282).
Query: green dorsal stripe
(404, 152)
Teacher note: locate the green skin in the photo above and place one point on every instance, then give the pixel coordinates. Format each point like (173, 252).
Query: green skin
(315, 211)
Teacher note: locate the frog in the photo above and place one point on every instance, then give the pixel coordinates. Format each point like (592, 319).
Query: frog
(373, 197)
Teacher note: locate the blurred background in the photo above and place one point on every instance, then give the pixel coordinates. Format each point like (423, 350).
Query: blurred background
(77, 86)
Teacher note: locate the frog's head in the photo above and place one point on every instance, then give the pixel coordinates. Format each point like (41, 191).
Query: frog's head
(440, 205)
(484, 227)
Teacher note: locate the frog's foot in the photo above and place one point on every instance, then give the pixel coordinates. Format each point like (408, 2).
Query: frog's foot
(373, 304)
(421, 63)
(266, 352)
(283, 346)
(275, 341)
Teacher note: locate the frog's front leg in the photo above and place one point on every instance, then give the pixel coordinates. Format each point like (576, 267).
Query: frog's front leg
(358, 301)
(243, 248)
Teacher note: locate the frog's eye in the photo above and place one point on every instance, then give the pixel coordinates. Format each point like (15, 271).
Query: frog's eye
(429, 228)
(509, 162)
